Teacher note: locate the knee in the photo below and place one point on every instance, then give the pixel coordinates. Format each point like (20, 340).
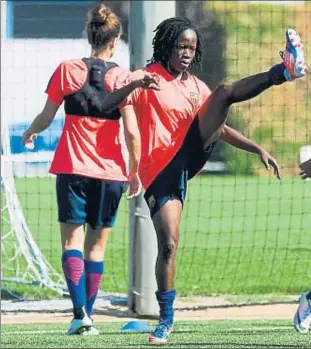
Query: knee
(168, 249)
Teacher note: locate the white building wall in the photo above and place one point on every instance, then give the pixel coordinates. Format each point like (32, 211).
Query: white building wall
(26, 67)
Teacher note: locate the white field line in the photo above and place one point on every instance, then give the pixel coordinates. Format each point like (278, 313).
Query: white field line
(235, 329)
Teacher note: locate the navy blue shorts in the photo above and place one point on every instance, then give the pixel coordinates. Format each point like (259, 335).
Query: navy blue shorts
(171, 182)
(87, 200)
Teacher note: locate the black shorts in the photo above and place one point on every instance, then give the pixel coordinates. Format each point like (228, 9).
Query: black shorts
(171, 182)
(87, 200)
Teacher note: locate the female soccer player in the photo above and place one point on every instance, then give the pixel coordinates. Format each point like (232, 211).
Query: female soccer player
(179, 126)
(88, 161)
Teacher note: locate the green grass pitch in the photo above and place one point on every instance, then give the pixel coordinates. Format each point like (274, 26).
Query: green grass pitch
(209, 334)
(239, 235)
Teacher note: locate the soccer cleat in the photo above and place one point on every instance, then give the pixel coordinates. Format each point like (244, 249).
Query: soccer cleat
(161, 333)
(302, 318)
(293, 56)
(79, 326)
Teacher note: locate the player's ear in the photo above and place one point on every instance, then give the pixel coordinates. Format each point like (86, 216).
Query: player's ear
(114, 43)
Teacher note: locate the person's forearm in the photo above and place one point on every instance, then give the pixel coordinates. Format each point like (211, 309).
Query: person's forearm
(133, 144)
(236, 139)
(115, 98)
(39, 124)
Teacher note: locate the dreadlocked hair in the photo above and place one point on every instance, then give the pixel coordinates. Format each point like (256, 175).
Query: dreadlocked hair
(165, 40)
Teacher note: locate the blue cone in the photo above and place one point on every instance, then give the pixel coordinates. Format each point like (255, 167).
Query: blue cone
(136, 326)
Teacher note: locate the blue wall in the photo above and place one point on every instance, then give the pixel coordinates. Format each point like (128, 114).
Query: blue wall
(46, 140)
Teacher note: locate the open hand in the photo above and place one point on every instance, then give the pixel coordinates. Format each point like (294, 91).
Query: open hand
(269, 163)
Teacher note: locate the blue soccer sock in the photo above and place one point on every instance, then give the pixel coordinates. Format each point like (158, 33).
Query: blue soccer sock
(166, 303)
(94, 272)
(73, 267)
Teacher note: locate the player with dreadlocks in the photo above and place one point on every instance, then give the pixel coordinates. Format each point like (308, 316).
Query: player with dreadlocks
(179, 126)
(165, 41)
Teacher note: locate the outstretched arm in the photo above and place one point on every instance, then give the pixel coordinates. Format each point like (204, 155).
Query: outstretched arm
(115, 98)
(235, 138)
(112, 101)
